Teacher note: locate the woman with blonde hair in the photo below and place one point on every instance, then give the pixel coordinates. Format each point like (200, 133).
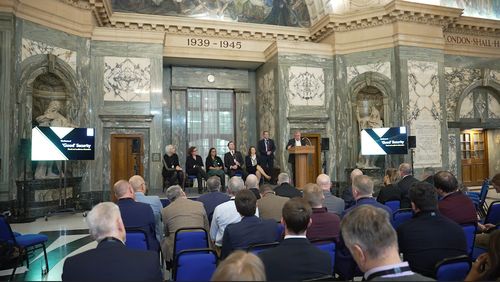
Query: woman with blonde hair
(240, 266)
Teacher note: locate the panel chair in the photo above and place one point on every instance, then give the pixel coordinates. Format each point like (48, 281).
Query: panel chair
(328, 245)
(493, 215)
(401, 216)
(136, 239)
(394, 205)
(453, 269)
(193, 178)
(257, 248)
(470, 235)
(28, 243)
(190, 238)
(195, 265)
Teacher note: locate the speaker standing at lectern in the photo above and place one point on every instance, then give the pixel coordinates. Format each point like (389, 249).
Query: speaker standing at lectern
(294, 142)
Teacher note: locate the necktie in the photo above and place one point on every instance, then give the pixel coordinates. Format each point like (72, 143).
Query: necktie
(265, 142)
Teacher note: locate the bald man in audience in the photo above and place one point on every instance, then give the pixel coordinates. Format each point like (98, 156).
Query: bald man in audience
(252, 184)
(404, 184)
(182, 212)
(270, 204)
(332, 203)
(284, 188)
(135, 214)
(140, 190)
(111, 260)
(324, 225)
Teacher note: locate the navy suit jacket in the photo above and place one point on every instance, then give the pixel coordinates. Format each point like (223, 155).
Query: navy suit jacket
(229, 159)
(261, 148)
(250, 230)
(287, 190)
(295, 259)
(211, 201)
(112, 261)
(139, 215)
(369, 201)
(404, 185)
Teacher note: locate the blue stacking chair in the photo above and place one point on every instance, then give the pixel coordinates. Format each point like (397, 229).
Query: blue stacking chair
(328, 245)
(453, 269)
(257, 248)
(479, 198)
(195, 265)
(493, 215)
(394, 205)
(401, 216)
(165, 202)
(190, 238)
(280, 232)
(136, 239)
(27, 242)
(470, 235)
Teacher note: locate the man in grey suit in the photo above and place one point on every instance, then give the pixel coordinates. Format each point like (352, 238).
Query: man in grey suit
(332, 204)
(368, 233)
(139, 186)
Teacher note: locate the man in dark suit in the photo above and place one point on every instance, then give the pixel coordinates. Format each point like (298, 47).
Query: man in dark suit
(428, 237)
(294, 142)
(284, 189)
(407, 180)
(250, 230)
(362, 190)
(266, 149)
(214, 198)
(111, 260)
(135, 214)
(295, 258)
(373, 243)
(233, 160)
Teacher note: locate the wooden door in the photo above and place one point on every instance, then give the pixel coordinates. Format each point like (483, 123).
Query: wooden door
(474, 155)
(126, 154)
(314, 160)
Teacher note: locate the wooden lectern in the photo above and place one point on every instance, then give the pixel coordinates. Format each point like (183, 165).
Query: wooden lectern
(301, 153)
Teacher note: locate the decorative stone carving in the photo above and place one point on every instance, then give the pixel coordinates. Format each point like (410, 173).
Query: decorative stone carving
(127, 79)
(31, 48)
(306, 86)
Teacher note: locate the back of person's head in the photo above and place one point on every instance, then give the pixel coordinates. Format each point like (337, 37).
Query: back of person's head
(445, 181)
(495, 181)
(137, 181)
(213, 183)
(323, 181)
(369, 228)
(235, 185)
(354, 173)
(493, 269)
(246, 202)
(283, 178)
(424, 196)
(392, 174)
(240, 266)
(252, 181)
(296, 215)
(265, 188)
(313, 194)
(363, 184)
(121, 188)
(174, 192)
(105, 220)
(404, 169)
(429, 171)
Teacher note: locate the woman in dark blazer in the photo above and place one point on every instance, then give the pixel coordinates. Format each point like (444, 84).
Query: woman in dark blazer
(215, 166)
(194, 166)
(390, 192)
(252, 164)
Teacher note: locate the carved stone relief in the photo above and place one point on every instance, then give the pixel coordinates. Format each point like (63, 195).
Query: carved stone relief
(306, 86)
(127, 79)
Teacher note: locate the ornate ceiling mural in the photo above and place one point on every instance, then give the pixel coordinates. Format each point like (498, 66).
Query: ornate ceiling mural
(275, 12)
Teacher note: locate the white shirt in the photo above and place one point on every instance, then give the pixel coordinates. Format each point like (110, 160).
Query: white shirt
(391, 266)
(298, 143)
(224, 214)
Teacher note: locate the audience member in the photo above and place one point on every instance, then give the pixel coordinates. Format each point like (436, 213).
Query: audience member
(482, 239)
(240, 266)
(233, 160)
(253, 166)
(453, 203)
(362, 190)
(139, 186)
(324, 225)
(226, 213)
(270, 204)
(332, 203)
(284, 188)
(252, 184)
(428, 175)
(390, 192)
(428, 237)
(295, 258)
(194, 166)
(182, 212)
(373, 244)
(214, 198)
(250, 230)
(215, 167)
(171, 171)
(347, 193)
(135, 214)
(405, 183)
(487, 265)
(110, 260)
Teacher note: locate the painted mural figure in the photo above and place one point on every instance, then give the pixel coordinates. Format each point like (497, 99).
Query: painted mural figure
(372, 120)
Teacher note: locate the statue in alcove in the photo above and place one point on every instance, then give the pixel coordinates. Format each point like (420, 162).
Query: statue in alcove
(370, 120)
(51, 117)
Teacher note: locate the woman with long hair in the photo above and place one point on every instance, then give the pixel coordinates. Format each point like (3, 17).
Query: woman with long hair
(253, 166)
(390, 191)
(215, 166)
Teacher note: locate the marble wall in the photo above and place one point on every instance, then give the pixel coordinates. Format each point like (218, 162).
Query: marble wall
(127, 79)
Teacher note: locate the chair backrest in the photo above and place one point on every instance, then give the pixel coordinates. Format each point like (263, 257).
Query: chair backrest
(6, 234)
(400, 216)
(453, 269)
(493, 215)
(190, 238)
(328, 246)
(165, 202)
(394, 205)
(470, 235)
(484, 191)
(195, 265)
(257, 248)
(280, 232)
(136, 239)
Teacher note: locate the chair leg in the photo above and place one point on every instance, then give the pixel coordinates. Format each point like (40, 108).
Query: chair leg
(46, 260)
